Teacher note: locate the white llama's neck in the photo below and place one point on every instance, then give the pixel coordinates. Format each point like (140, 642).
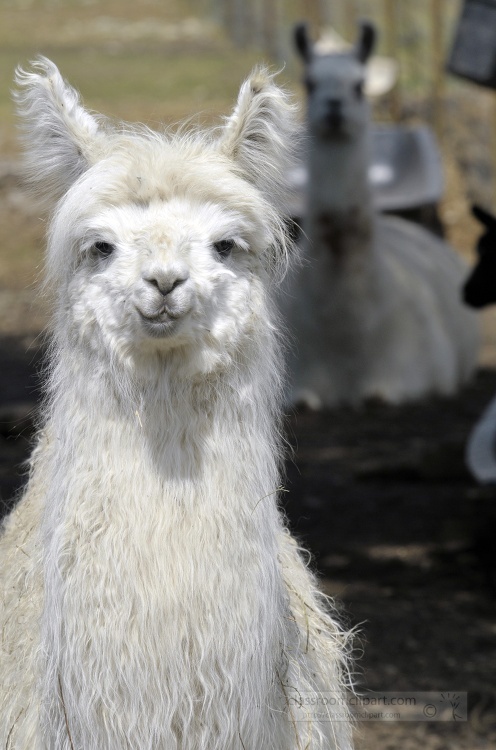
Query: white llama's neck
(161, 535)
(340, 214)
(178, 423)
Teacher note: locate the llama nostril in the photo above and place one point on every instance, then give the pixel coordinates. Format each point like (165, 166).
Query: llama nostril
(165, 287)
(177, 283)
(166, 281)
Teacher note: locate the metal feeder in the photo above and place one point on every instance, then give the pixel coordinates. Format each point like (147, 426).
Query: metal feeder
(473, 55)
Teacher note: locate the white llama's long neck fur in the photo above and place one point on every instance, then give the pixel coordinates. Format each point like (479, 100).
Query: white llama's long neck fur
(188, 463)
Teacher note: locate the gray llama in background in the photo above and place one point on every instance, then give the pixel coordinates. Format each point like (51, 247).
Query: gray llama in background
(374, 308)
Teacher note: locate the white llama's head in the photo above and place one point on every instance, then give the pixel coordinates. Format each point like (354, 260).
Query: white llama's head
(337, 107)
(159, 242)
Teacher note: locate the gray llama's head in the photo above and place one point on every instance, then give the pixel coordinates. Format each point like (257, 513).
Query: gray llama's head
(337, 107)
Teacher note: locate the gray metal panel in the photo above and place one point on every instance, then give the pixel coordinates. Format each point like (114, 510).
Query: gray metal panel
(473, 55)
(405, 171)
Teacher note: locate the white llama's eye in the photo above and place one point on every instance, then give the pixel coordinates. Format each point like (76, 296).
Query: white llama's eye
(224, 247)
(104, 249)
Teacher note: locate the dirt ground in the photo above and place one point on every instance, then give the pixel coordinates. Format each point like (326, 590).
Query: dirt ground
(404, 538)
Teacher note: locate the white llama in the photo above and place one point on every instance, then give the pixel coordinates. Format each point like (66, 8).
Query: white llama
(152, 596)
(375, 307)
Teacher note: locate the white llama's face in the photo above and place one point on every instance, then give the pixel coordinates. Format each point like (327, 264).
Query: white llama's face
(337, 108)
(159, 242)
(169, 271)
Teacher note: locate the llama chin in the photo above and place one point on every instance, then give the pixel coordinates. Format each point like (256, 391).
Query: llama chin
(152, 595)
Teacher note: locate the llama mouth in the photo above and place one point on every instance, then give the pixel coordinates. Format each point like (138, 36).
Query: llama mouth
(162, 323)
(163, 316)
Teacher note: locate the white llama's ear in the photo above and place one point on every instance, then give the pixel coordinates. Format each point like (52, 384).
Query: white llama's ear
(59, 134)
(260, 135)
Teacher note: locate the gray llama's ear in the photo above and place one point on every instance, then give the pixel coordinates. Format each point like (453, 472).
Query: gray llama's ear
(303, 42)
(366, 41)
(59, 134)
(260, 135)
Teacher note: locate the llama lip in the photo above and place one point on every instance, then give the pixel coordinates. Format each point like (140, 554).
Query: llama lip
(162, 316)
(159, 328)
(161, 323)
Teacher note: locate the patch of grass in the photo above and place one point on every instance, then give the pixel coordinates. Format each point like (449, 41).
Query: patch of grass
(21, 243)
(142, 78)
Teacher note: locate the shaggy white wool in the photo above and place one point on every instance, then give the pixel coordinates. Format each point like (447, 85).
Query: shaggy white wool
(152, 595)
(375, 307)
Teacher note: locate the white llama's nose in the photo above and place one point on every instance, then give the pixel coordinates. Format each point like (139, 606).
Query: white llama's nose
(166, 278)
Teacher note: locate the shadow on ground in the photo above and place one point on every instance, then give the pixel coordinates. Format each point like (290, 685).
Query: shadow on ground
(19, 397)
(405, 538)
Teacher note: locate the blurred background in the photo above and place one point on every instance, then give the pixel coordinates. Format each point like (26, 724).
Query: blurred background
(399, 530)
(159, 61)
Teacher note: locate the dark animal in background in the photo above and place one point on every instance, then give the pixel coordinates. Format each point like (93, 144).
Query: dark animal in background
(480, 288)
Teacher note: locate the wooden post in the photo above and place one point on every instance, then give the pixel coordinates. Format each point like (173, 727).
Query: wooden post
(493, 145)
(438, 80)
(257, 25)
(350, 21)
(311, 12)
(239, 27)
(228, 17)
(390, 11)
(271, 26)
